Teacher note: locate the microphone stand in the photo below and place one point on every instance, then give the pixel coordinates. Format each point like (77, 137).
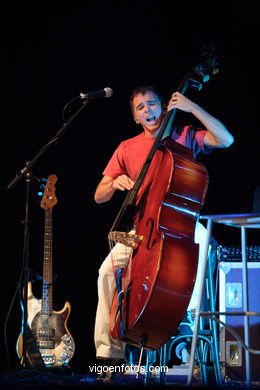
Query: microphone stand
(26, 173)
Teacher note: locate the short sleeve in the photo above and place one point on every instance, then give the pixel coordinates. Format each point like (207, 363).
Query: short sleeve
(199, 136)
(193, 137)
(116, 165)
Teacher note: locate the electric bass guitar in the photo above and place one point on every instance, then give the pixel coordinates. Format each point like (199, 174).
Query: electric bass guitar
(48, 327)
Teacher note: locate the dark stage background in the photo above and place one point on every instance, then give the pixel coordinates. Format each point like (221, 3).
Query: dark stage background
(53, 55)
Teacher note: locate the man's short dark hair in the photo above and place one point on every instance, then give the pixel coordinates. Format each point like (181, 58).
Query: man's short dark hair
(143, 89)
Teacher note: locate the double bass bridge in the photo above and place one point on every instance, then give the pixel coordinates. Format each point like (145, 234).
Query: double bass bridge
(130, 239)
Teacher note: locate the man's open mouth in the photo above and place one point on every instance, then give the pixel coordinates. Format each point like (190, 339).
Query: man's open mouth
(151, 119)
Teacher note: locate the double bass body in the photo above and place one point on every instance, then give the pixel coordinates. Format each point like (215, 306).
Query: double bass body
(159, 279)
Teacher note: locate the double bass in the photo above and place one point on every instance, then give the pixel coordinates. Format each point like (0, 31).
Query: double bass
(155, 287)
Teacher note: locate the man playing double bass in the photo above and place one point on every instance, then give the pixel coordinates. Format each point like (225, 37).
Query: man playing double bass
(121, 172)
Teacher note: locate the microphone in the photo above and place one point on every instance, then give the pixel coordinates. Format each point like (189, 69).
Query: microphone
(106, 92)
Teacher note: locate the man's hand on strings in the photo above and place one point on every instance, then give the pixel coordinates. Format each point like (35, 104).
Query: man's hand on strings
(122, 183)
(107, 187)
(181, 102)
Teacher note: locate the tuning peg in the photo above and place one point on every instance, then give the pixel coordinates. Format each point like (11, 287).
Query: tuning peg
(195, 84)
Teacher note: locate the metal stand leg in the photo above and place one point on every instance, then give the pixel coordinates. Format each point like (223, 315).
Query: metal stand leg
(196, 327)
(162, 352)
(213, 325)
(246, 308)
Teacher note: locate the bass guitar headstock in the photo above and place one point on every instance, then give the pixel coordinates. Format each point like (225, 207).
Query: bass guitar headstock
(49, 199)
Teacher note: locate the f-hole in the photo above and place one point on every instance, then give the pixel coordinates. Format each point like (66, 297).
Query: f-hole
(149, 243)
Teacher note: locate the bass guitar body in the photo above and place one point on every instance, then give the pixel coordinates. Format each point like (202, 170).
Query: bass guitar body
(50, 333)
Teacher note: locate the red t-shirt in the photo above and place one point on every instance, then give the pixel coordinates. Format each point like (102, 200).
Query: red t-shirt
(129, 158)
